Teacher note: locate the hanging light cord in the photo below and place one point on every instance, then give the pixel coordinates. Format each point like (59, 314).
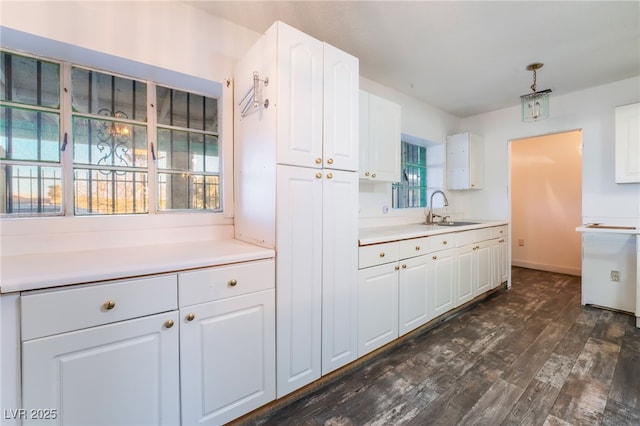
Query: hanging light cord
(533, 86)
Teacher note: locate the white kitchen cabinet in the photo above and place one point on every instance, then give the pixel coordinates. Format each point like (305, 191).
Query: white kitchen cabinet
(339, 269)
(441, 272)
(377, 306)
(380, 139)
(414, 288)
(627, 127)
(295, 165)
(465, 162)
(475, 265)
(227, 341)
(120, 372)
(500, 254)
(316, 99)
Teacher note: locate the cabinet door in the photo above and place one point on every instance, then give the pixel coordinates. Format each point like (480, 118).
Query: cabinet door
(414, 308)
(465, 274)
(339, 269)
(341, 106)
(364, 166)
(441, 274)
(298, 276)
(503, 261)
(385, 140)
(377, 307)
(124, 373)
(300, 104)
(227, 357)
(628, 143)
(485, 271)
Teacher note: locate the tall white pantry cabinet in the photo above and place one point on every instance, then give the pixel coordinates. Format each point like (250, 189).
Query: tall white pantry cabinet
(296, 162)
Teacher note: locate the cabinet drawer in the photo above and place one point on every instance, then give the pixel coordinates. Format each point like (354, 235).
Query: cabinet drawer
(220, 282)
(378, 254)
(469, 237)
(59, 311)
(442, 241)
(499, 231)
(414, 247)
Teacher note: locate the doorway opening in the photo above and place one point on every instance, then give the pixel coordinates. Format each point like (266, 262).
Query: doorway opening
(546, 202)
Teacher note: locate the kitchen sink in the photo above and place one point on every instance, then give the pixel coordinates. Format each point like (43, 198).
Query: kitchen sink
(457, 223)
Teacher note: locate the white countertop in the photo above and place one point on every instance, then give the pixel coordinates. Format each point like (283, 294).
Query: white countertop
(610, 229)
(29, 272)
(383, 234)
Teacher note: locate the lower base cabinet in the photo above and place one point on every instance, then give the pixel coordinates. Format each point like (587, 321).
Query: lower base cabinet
(192, 348)
(227, 358)
(124, 373)
(377, 307)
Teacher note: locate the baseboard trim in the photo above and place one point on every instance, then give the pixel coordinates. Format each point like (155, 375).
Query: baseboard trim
(546, 267)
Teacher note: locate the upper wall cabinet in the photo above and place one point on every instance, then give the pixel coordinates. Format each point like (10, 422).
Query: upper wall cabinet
(317, 101)
(380, 138)
(628, 143)
(465, 161)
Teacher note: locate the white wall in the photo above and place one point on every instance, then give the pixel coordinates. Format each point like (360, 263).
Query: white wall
(590, 110)
(167, 35)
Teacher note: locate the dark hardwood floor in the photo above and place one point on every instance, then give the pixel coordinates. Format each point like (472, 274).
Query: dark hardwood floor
(530, 355)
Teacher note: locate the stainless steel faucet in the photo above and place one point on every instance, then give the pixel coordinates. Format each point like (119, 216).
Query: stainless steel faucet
(430, 215)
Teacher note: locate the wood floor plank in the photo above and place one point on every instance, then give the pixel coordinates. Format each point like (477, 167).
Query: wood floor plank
(533, 406)
(494, 405)
(530, 355)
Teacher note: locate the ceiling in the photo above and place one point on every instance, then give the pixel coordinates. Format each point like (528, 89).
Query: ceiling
(465, 57)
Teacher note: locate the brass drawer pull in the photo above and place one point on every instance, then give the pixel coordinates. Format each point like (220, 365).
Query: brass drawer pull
(329, 175)
(434, 257)
(396, 267)
(109, 304)
(190, 317)
(318, 175)
(404, 266)
(373, 175)
(318, 160)
(444, 242)
(417, 248)
(330, 161)
(168, 323)
(381, 254)
(233, 282)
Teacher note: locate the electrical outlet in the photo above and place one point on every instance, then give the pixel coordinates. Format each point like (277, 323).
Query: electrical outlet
(521, 242)
(614, 276)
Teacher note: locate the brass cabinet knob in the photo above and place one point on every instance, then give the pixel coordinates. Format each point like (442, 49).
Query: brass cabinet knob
(396, 267)
(190, 316)
(373, 175)
(417, 248)
(318, 175)
(434, 257)
(330, 161)
(329, 175)
(444, 242)
(501, 241)
(381, 254)
(404, 266)
(367, 174)
(318, 160)
(109, 304)
(233, 282)
(168, 323)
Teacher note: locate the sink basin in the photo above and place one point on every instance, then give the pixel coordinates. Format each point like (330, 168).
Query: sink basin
(458, 223)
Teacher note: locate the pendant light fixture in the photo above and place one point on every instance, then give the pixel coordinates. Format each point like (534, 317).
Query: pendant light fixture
(535, 105)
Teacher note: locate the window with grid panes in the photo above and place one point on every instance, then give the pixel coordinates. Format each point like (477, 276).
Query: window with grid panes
(30, 163)
(113, 164)
(411, 191)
